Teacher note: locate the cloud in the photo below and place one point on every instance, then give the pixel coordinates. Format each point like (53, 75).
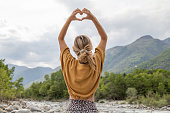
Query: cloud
(33, 40)
(73, 4)
(17, 48)
(124, 21)
(135, 22)
(32, 53)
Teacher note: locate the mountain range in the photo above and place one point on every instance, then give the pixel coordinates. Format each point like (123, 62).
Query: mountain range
(142, 53)
(31, 74)
(120, 58)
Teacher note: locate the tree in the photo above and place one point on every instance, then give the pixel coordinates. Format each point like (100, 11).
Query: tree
(161, 89)
(19, 87)
(7, 90)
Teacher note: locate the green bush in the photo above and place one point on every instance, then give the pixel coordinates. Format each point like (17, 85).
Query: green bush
(131, 92)
(131, 95)
(154, 100)
(123, 102)
(157, 96)
(167, 98)
(160, 103)
(131, 100)
(102, 101)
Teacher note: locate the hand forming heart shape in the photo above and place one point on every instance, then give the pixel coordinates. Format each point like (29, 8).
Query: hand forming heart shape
(89, 15)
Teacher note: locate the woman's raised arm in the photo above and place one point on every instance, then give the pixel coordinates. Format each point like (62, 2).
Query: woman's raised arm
(100, 29)
(65, 27)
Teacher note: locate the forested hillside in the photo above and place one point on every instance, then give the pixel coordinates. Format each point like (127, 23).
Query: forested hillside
(119, 59)
(162, 61)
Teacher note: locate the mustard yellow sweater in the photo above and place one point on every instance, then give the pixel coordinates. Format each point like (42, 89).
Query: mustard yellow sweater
(80, 79)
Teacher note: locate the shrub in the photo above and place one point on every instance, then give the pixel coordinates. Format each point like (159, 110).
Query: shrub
(167, 98)
(131, 95)
(123, 102)
(131, 92)
(102, 101)
(154, 100)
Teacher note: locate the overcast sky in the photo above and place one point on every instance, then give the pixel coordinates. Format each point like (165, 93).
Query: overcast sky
(29, 28)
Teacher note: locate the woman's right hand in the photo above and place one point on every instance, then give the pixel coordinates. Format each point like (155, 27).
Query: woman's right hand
(89, 16)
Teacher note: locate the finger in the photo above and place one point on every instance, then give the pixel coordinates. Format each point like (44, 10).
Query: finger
(86, 10)
(78, 19)
(81, 12)
(78, 11)
(84, 18)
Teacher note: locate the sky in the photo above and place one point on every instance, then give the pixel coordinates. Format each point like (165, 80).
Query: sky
(29, 29)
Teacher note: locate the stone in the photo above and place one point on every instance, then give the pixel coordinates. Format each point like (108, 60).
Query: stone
(35, 109)
(16, 107)
(47, 108)
(2, 111)
(58, 110)
(168, 108)
(9, 108)
(51, 111)
(21, 111)
(2, 107)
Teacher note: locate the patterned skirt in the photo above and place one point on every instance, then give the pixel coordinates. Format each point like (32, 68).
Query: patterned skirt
(81, 106)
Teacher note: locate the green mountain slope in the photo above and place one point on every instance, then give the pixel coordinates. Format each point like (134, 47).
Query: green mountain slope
(162, 61)
(120, 59)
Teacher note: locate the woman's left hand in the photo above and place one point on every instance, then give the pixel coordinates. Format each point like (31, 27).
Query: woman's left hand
(73, 15)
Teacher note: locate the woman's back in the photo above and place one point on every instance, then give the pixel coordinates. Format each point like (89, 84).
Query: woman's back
(81, 80)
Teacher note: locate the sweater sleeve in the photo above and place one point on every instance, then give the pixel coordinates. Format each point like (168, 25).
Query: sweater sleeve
(65, 58)
(100, 56)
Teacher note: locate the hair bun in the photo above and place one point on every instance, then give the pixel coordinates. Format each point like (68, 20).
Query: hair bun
(83, 50)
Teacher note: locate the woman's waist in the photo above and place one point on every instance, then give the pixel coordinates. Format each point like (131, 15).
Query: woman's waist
(89, 99)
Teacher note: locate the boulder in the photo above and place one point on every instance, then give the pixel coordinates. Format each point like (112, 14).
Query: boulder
(21, 111)
(35, 109)
(9, 108)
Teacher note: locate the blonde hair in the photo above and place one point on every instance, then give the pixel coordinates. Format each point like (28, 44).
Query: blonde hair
(83, 49)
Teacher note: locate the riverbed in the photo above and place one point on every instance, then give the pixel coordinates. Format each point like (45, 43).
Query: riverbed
(30, 106)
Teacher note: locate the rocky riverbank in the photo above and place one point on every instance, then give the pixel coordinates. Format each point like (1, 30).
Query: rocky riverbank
(27, 106)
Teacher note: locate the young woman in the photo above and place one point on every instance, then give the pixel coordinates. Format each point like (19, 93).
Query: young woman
(82, 75)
